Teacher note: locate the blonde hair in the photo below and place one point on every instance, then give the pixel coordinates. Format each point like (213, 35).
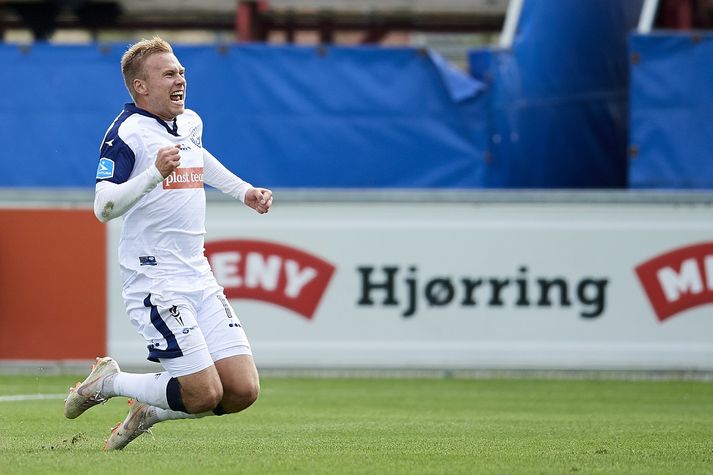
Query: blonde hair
(132, 63)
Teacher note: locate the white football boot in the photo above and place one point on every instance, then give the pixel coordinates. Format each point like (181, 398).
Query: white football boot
(139, 420)
(89, 392)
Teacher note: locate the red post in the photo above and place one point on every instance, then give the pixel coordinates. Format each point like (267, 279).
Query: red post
(248, 26)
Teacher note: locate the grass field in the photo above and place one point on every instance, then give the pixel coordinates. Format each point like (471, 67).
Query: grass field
(408, 426)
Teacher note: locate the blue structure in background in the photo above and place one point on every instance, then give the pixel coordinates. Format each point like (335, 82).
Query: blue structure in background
(550, 113)
(557, 102)
(671, 110)
(279, 116)
(338, 117)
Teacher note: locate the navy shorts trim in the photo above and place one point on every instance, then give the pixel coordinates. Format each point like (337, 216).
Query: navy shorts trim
(172, 349)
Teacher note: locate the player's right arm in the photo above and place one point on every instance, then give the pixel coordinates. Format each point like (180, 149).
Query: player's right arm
(112, 199)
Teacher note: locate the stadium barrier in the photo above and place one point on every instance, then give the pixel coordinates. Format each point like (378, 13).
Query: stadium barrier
(52, 284)
(396, 280)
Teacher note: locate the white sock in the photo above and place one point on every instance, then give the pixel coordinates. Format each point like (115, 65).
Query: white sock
(148, 388)
(168, 414)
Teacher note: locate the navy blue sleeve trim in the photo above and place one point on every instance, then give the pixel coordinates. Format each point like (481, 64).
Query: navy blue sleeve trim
(116, 162)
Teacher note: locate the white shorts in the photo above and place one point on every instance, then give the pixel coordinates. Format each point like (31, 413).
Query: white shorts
(185, 318)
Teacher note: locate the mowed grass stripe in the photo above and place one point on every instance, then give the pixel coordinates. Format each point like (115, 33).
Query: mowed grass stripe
(385, 426)
(31, 397)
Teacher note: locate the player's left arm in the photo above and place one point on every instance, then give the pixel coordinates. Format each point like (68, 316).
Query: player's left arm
(216, 175)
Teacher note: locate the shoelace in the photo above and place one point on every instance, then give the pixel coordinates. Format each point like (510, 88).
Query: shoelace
(98, 397)
(93, 400)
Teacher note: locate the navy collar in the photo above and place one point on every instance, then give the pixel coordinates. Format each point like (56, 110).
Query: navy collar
(131, 107)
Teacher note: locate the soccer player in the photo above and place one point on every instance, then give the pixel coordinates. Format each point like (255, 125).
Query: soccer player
(152, 171)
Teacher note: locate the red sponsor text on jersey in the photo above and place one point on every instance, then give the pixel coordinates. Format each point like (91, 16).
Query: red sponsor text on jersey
(184, 178)
(270, 272)
(679, 279)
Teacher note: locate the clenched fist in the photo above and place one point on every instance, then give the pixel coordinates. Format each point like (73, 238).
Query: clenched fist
(259, 199)
(168, 159)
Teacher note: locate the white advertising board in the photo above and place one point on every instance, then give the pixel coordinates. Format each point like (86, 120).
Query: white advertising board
(460, 285)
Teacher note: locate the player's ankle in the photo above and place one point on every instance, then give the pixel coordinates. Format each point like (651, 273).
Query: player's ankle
(108, 390)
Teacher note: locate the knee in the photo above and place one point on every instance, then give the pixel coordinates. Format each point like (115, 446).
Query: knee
(241, 397)
(247, 393)
(251, 393)
(203, 400)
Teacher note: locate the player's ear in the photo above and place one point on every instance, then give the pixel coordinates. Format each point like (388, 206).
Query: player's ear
(139, 86)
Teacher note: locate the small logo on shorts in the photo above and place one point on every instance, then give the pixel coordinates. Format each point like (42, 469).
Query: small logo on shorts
(147, 260)
(175, 313)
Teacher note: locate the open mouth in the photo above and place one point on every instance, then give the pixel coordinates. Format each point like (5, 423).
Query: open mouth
(177, 97)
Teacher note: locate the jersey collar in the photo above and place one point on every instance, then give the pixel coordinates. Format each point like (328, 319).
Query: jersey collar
(131, 108)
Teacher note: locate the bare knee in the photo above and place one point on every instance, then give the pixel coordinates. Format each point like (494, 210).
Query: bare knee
(249, 393)
(202, 391)
(203, 400)
(236, 399)
(241, 383)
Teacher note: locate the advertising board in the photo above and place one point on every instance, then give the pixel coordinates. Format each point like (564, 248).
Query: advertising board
(460, 285)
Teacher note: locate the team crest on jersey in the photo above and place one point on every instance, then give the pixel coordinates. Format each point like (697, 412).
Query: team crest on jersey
(105, 169)
(195, 138)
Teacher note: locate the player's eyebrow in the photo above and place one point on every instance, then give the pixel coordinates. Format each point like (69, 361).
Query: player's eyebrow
(180, 70)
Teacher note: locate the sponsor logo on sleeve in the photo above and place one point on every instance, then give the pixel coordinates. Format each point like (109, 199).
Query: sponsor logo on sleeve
(184, 178)
(270, 272)
(679, 279)
(105, 169)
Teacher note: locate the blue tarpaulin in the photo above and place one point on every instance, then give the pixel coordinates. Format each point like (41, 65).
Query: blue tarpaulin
(557, 102)
(550, 113)
(278, 116)
(671, 110)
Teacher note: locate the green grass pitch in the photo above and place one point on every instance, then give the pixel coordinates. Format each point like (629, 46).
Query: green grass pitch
(409, 426)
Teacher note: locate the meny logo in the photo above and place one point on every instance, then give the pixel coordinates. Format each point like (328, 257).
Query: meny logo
(270, 272)
(679, 279)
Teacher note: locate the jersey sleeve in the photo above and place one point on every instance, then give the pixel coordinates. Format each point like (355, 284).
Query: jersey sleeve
(216, 175)
(112, 200)
(117, 160)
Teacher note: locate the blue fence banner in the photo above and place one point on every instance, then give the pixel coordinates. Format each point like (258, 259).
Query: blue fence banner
(671, 110)
(337, 117)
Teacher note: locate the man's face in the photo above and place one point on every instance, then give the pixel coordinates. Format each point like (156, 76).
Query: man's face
(164, 92)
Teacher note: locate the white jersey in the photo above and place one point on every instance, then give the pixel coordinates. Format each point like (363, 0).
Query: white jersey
(165, 227)
(164, 270)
